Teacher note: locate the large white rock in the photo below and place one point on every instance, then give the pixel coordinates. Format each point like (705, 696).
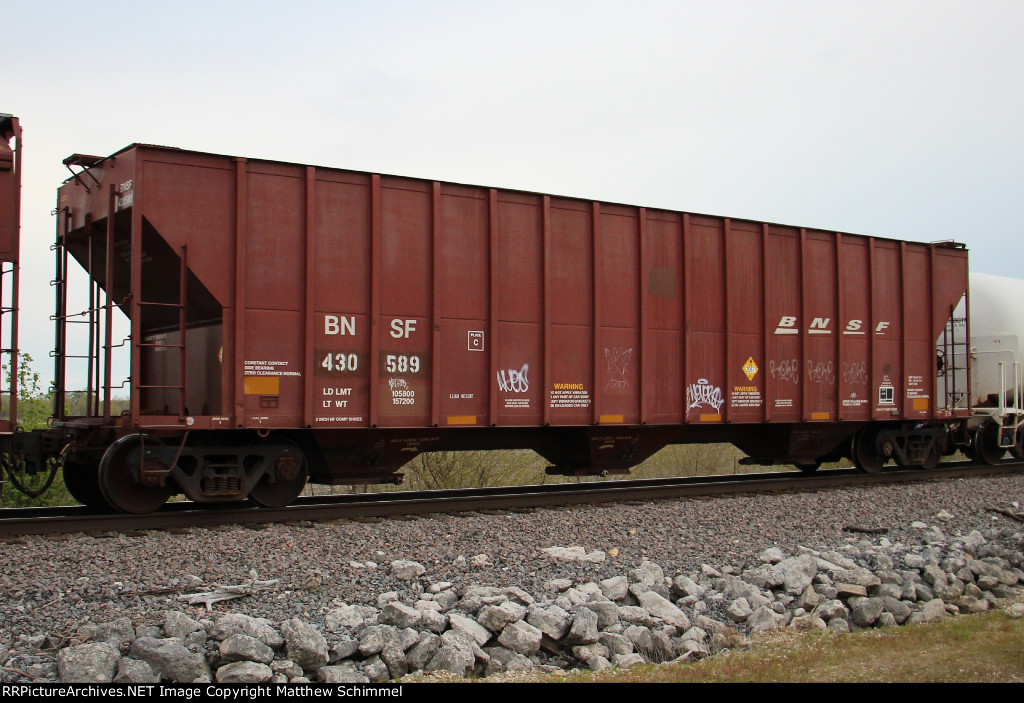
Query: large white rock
(664, 610)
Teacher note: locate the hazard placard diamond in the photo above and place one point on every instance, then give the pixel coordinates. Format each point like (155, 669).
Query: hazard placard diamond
(750, 368)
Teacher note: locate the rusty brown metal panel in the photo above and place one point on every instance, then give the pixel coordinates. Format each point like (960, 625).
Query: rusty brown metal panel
(435, 306)
(919, 357)
(193, 205)
(618, 373)
(887, 356)
(819, 270)
(310, 290)
(520, 387)
(272, 383)
(767, 325)
(234, 345)
(339, 326)
(493, 328)
(745, 356)
(340, 369)
(275, 251)
(519, 356)
(342, 243)
(662, 293)
(108, 317)
(784, 359)
(802, 322)
(596, 310)
(464, 278)
(645, 323)
(837, 346)
(855, 329)
(465, 373)
(10, 187)
(686, 311)
(401, 326)
(547, 303)
(725, 291)
(135, 314)
(570, 394)
(706, 374)
(375, 267)
(464, 239)
(519, 255)
(569, 270)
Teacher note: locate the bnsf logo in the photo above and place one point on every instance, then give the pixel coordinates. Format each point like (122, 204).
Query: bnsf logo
(820, 325)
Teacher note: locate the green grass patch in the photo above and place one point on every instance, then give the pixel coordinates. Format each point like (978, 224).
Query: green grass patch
(968, 649)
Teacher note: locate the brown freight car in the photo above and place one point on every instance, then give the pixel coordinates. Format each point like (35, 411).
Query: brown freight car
(291, 322)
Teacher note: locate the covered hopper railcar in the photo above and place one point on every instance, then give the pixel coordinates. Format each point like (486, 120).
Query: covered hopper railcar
(291, 323)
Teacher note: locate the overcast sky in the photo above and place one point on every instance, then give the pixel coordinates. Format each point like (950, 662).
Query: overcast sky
(895, 119)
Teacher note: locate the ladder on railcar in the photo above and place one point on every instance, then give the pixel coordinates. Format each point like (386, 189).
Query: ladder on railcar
(96, 400)
(182, 307)
(10, 360)
(953, 367)
(10, 233)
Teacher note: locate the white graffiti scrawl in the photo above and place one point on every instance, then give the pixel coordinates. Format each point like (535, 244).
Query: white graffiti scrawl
(785, 370)
(512, 381)
(618, 364)
(821, 372)
(703, 393)
(856, 372)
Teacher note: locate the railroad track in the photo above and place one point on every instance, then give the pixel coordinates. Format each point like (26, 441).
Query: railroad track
(66, 519)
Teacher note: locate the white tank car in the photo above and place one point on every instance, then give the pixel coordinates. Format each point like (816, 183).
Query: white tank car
(997, 330)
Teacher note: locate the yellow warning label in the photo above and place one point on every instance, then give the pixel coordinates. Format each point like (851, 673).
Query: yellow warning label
(750, 368)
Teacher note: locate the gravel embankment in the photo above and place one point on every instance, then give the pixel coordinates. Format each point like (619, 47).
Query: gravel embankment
(52, 586)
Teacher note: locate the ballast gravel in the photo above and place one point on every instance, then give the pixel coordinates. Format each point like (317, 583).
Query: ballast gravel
(50, 587)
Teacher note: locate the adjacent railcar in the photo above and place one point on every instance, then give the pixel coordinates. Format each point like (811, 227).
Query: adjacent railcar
(292, 323)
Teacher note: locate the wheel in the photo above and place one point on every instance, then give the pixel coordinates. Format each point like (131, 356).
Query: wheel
(932, 460)
(82, 480)
(30, 479)
(291, 479)
(119, 488)
(808, 467)
(1017, 450)
(986, 444)
(866, 456)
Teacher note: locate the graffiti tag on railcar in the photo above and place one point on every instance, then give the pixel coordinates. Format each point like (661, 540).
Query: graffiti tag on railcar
(617, 360)
(855, 373)
(821, 372)
(513, 381)
(703, 393)
(401, 393)
(785, 370)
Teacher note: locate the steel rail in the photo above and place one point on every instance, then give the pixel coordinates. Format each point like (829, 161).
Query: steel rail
(177, 515)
